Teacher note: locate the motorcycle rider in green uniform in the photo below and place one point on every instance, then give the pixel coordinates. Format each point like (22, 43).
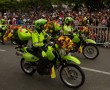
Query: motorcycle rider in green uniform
(38, 40)
(69, 30)
(44, 32)
(3, 28)
(68, 26)
(52, 29)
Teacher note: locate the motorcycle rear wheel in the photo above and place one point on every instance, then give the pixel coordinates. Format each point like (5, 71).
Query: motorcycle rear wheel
(90, 51)
(72, 75)
(27, 67)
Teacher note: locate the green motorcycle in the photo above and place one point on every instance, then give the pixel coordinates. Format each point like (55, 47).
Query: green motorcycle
(3, 29)
(52, 59)
(84, 45)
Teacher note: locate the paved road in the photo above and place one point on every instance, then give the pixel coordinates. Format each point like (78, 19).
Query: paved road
(97, 73)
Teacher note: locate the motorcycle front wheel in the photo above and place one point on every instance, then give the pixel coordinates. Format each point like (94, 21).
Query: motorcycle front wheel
(90, 51)
(72, 75)
(27, 67)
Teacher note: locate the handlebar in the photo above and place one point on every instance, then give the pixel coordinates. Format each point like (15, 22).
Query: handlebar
(18, 47)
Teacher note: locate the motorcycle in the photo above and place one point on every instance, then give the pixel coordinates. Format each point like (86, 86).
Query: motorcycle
(85, 45)
(3, 29)
(11, 34)
(53, 59)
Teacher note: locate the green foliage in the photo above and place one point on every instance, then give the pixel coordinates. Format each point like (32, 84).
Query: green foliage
(106, 3)
(47, 4)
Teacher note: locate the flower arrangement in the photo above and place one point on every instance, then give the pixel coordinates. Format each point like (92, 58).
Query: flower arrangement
(65, 43)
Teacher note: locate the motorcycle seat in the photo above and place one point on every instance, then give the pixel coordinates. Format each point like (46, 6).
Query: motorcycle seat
(30, 50)
(34, 51)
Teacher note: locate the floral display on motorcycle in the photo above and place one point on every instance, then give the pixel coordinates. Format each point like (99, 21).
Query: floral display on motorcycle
(85, 30)
(49, 27)
(15, 27)
(65, 42)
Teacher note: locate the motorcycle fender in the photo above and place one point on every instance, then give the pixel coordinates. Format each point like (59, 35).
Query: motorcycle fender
(71, 58)
(30, 58)
(90, 41)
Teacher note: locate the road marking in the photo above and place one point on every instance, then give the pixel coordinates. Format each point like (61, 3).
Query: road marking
(94, 70)
(88, 69)
(2, 50)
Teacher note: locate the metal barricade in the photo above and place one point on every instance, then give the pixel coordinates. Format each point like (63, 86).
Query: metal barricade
(100, 34)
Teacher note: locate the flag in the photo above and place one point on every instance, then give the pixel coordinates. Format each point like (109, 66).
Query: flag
(53, 74)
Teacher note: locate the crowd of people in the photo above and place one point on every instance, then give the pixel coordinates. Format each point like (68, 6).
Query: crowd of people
(82, 17)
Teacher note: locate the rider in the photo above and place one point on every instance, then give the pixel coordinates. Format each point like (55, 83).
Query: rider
(69, 30)
(38, 40)
(38, 35)
(52, 29)
(3, 28)
(15, 33)
(68, 26)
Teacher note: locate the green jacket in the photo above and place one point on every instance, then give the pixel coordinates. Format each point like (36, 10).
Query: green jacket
(37, 39)
(67, 29)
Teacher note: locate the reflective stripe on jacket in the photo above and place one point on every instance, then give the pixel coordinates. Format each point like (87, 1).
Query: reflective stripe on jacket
(67, 29)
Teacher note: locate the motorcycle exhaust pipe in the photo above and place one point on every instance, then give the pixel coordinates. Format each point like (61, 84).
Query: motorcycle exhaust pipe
(18, 53)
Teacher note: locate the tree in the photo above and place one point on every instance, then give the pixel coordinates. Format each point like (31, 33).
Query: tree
(47, 4)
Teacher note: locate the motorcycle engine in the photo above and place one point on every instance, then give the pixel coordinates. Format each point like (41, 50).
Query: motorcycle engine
(44, 66)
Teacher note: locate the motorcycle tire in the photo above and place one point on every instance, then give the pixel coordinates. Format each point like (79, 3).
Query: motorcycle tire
(90, 51)
(27, 67)
(72, 75)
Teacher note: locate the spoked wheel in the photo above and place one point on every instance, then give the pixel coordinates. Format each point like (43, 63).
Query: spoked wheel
(72, 75)
(90, 51)
(27, 67)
